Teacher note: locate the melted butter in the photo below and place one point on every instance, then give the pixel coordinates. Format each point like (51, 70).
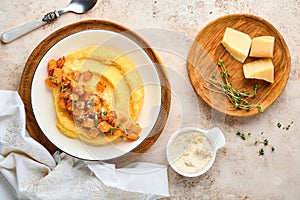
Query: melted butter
(190, 152)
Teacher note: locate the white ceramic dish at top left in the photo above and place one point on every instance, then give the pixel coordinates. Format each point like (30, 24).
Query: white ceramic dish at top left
(42, 100)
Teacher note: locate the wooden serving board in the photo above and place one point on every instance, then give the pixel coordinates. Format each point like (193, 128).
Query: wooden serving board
(207, 49)
(38, 53)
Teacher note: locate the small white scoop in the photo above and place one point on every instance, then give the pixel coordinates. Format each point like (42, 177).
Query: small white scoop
(192, 151)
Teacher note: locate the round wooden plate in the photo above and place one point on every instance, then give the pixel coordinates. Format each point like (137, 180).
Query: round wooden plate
(38, 53)
(207, 49)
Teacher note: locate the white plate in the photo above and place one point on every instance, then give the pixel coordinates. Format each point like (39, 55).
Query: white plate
(43, 105)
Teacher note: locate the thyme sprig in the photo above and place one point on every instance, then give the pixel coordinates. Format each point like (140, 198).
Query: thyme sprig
(237, 98)
(279, 125)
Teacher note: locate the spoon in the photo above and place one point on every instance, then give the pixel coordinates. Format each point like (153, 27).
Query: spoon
(76, 6)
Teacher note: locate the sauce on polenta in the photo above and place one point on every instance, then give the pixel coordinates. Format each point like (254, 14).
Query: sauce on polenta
(98, 95)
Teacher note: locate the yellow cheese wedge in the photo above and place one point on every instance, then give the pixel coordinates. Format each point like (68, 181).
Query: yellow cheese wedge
(260, 69)
(236, 43)
(262, 47)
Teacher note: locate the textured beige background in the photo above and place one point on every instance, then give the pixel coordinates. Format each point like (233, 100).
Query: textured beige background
(169, 26)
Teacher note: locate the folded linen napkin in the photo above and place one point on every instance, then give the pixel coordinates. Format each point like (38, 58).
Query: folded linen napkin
(35, 174)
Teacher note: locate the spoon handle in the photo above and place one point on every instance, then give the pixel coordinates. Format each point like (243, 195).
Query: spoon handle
(17, 32)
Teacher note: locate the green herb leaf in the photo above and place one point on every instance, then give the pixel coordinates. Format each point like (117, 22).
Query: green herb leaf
(259, 108)
(220, 62)
(242, 135)
(103, 112)
(261, 152)
(255, 87)
(53, 78)
(279, 125)
(273, 149)
(111, 131)
(119, 125)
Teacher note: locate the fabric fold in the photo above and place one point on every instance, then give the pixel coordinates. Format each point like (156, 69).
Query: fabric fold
(136, 177)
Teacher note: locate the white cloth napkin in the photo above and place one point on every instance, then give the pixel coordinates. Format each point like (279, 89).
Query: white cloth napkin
(35, 174)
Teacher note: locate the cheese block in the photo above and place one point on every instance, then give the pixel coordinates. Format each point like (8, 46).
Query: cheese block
(237, 44)
(260, 69)
(262, 47)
